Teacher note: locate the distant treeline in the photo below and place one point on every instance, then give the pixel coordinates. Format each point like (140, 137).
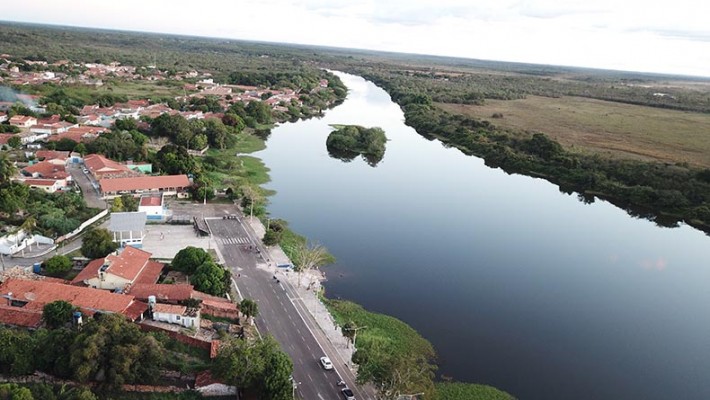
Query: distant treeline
(664, 193)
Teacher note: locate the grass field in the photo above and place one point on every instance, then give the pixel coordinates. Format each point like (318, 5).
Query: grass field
(604, 127)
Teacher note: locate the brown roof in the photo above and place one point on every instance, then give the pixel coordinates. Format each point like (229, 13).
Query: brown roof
(38, 293)
(46, 169)
(162, 292)
(51, 154)
(39, 182)
(151, 200)
(144, 183)
(4, 137)
(100, 166)
(150, 273)
(135, 310)
(220, 305)
(90, 271)
(17, 316)
(169, 309)
(130, 264)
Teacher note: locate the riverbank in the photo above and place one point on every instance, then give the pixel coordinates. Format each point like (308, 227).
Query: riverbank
(331, 318)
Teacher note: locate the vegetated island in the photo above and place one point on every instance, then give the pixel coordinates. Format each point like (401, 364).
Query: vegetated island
(349, 141)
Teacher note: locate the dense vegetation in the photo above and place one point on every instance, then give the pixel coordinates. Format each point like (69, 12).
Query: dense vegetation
(347, 142)
(468, 391)
(259, 365)
(50, 214)
(108, 350)
(204, 273)
(390, 354)
(664, 193)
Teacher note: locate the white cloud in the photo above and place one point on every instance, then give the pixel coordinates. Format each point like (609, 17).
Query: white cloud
(633, 35)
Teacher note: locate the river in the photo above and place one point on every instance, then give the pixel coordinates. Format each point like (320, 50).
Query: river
(516, 284)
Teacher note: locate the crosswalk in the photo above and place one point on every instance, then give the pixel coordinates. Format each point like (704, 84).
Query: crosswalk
(236, 240)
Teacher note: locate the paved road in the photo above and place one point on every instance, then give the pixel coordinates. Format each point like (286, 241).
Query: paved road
(282, 314)
(88, 188)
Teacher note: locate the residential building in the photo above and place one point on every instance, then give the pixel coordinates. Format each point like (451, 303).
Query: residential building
(101, 167)
(163, 293)
(32, 295)
(3, 117)
(23, 121)
(47, 169)
(153, 206)
(128, 228)
(169, 185)
(48, 185)
(174, 314)
(120, 271)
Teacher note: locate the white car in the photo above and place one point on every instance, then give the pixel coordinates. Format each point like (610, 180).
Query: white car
(348, 394)
(325, 362)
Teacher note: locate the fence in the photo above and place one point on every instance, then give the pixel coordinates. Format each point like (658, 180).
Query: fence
(82, 226)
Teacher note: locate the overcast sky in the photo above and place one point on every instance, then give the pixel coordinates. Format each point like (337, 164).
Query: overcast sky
(651, 35)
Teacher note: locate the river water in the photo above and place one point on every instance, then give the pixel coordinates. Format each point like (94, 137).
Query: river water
(516, 285)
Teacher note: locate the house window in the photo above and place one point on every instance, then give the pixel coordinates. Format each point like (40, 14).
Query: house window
(177, 318)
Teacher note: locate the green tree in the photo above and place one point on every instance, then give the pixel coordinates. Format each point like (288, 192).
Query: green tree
(58, 265)
(80, 148)
(175, 160)
(97, 243)
(210, 278)
(117, 205)
(277, 383)
(260, 111)
(11, 391)
(57, 313)
(7, 168)
(249, 308)
(216, 133)
(130, 203)
(259, 365)
(115, 351)
(15, 142)
(188, 259)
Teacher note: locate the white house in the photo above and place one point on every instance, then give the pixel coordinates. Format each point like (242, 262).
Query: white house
(16, 242)
(173, 314)
(48, 185)
(153, 206)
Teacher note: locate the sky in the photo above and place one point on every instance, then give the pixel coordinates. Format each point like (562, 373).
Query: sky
(649, 36)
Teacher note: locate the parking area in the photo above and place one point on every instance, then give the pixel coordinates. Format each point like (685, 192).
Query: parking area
(164, 241)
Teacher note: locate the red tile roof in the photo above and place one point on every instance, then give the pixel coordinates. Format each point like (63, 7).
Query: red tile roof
(162, 292)
(151, 200)
(132, 264)
(38, 293)
(169, 309)
(18, 316)
(220, 305)
(4, 137)
(135, 310)
(150, 273)
(101, 166)
(51, 154)
(46, 169)
(39, 182)
(90, 271)
(128, 264)
(162, 182)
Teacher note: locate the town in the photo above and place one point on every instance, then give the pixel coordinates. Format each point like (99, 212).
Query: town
(105, 212)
